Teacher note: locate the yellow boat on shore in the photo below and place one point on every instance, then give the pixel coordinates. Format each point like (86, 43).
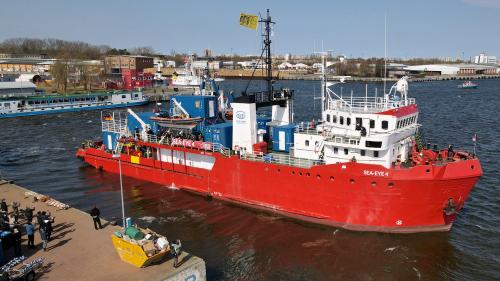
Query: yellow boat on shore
(139, 253)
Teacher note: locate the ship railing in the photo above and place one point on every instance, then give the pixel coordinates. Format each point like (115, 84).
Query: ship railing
(281, 159)
(343, 140)
(327, 132)
(409, 128)
(217, 147)
(63, 104)
(366, 104)
(114, 126)
(309, 128)
(214, 147)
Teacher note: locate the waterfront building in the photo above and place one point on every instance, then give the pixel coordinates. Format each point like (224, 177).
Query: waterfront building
(452, 69)
(485, 59)
(25, 63)
(115, 64)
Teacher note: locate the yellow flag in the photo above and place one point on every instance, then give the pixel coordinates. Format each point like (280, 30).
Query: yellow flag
(249, 21)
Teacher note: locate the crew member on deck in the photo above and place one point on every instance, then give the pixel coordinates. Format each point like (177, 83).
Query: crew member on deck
(450, 151)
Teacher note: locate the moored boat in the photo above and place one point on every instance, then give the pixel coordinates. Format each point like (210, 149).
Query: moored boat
(27, 103)
(468, 85)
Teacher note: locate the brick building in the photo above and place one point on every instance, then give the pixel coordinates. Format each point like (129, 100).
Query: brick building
(115, 64)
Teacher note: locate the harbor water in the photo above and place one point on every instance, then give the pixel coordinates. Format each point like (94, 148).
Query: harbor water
(243, 244)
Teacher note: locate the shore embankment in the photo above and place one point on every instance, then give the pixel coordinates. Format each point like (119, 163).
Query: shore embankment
(79, 252)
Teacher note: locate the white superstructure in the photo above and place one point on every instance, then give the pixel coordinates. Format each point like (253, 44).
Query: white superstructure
(187, 77)
(369, 129)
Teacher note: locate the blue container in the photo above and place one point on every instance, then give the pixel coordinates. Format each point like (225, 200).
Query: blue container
(221, 133)
(133, 125)
(198, 106)
(110, 139)
(283, 137)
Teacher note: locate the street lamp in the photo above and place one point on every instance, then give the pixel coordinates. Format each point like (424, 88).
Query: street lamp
(117, 156)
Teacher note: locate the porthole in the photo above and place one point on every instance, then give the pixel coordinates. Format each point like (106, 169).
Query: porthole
(352, 181)
(390, 184)
(472, 167)
(279, 170)
(300, 173)
(318, 177)
(308, 174)
(332, 178)
(427, 170)
(374, 184)
(293, 172)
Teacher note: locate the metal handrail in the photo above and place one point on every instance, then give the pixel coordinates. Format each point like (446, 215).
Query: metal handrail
(115, 126)
(281, 159)
(366, 104)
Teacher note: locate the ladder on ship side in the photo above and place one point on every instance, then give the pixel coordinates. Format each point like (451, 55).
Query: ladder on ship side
(118, 148)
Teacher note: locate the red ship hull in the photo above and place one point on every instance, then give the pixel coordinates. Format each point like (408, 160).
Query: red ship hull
(353, 196)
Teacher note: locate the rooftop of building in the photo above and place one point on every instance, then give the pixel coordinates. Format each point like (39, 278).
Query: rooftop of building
(16, 85)
(454, 66)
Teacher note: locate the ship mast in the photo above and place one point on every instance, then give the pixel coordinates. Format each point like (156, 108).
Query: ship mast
(267, 49)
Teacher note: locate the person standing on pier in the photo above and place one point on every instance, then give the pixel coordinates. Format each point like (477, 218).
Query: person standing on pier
(16, 237)
(30, 231)
(176, 251)
(48, 226)
(15, 211)
(95, 213)
(39, 218)
(3, 207)
(43, 236)
(28, 213)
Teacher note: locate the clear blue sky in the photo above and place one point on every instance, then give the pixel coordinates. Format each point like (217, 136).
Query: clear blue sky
(423, 28)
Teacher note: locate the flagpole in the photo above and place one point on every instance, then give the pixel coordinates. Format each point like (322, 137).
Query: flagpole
(474, 139)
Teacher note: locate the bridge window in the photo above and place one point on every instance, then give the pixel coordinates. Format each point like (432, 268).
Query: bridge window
(124, 96)
(335, 150)
(307, 143)
(346, 151)
(375, 144)
(385, 125)
(334, 118)
(341, 120)
(375, 154)
(328, 118)
(348, 121)
(363, 152)
(359, 121)
(372, 124)
(398, 124)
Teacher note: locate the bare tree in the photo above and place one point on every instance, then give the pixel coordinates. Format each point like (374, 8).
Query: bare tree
(60, 71)
(143, 51)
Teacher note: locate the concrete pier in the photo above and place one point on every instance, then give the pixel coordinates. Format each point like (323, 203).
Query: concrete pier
(79, 252)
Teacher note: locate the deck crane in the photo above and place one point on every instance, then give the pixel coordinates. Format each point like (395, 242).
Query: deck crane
(145, 127)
